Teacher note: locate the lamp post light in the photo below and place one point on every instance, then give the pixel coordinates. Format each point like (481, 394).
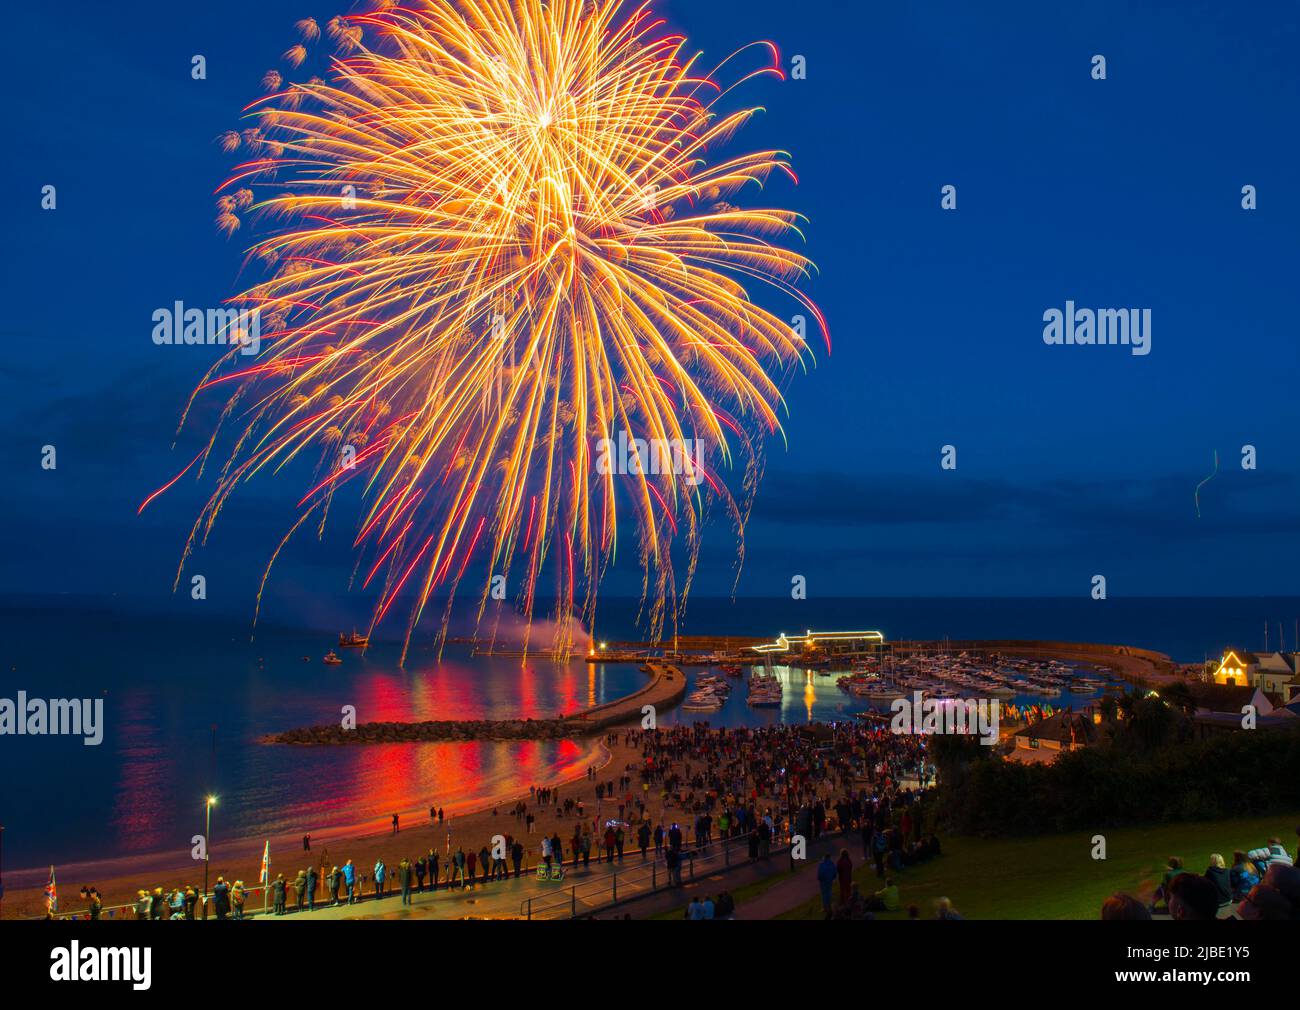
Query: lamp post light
(209, 803)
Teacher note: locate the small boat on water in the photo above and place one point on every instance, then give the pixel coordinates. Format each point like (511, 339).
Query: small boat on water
(702, 701)
(765, 692)
(353, 641)
(331, 658)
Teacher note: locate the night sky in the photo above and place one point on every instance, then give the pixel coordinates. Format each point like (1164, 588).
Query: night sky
(1071, 461)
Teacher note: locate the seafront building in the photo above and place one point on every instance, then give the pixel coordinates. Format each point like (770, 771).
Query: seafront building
(1273, 673)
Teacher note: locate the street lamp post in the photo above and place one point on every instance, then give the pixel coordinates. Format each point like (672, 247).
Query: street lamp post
(207, 841)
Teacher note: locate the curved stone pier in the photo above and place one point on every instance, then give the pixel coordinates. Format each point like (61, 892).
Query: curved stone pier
(666, 688)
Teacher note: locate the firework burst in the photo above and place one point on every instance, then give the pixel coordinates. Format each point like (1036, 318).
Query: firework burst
(496, 234)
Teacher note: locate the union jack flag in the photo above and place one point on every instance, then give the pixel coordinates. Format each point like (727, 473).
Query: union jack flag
(51, 894)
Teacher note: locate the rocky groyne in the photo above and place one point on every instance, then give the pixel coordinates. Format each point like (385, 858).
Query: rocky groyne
(666, 688)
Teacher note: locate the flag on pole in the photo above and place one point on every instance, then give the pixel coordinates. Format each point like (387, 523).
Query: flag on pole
(51, 894)
(266, 861)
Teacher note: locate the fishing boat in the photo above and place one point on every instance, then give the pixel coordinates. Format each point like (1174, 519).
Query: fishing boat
(331, 658)
(353, 641)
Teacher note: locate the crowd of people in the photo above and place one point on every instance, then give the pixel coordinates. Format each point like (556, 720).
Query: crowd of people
(688, 789)
(1261, 883)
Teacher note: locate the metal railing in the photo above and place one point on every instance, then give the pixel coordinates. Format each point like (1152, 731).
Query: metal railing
(640, 878)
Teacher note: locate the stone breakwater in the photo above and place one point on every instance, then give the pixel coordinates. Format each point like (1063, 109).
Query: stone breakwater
(666, 688)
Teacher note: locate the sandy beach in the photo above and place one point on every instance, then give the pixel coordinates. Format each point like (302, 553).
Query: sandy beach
(118, 880)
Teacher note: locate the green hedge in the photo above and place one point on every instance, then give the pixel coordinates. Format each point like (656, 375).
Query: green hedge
(1228, 775)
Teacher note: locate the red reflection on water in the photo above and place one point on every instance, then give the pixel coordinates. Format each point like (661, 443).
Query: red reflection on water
(528, 705)
(147, 771)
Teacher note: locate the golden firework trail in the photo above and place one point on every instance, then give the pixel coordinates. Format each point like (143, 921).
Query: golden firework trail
(498, 234)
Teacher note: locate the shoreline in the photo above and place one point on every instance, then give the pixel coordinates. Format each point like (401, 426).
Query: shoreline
(119, 878)
(240, 859)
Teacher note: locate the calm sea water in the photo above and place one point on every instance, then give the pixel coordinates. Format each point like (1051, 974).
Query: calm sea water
(186, 698)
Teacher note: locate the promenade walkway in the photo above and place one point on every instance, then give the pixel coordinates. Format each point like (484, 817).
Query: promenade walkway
(582, 892)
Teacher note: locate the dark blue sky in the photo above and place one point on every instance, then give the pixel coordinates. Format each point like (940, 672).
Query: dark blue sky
(1072, 461)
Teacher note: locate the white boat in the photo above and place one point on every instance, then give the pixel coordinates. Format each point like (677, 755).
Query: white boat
(702, 701)
(331, 658)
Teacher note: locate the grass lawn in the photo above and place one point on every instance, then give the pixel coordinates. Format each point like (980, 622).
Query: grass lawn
(1055, 876)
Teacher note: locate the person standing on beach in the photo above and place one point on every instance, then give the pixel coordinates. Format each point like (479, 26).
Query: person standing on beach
(517, 855)
(419, 875)
(395, 824)
(350, 881)
(306, 843)
(433, 870)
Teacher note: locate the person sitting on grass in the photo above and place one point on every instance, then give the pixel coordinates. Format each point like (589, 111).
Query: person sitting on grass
(1243, 876)
(1193, 898)
(1173, 868)
(1217, 874)
(1121, 907)
(886, 899)
(1271, 853)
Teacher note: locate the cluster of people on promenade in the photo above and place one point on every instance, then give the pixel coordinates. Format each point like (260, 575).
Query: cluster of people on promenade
(692, 788)
(1261, 883)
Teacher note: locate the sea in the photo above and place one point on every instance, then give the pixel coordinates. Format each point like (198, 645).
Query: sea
(187, 695)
